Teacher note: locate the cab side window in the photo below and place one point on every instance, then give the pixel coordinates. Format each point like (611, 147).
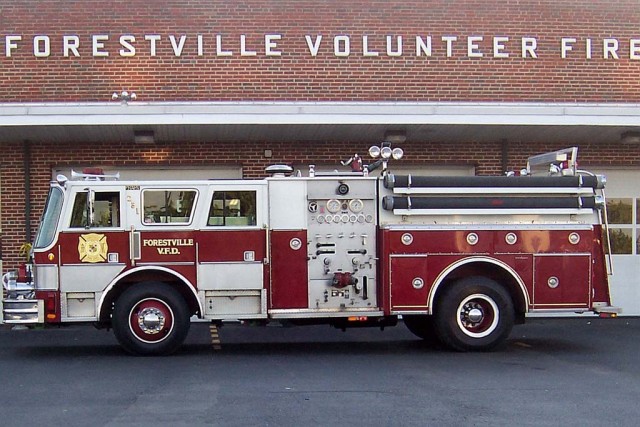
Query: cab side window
(106, 210)
(168, 206)
(233, 209)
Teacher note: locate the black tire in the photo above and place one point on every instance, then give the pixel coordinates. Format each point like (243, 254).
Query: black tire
(422, 326)
(474, 314)
(150, 319)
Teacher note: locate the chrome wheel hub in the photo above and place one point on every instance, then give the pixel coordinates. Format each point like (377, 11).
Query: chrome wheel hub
(478, 315)
(151, 320)
(475, 315)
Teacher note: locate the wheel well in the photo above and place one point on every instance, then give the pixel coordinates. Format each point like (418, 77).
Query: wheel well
(490, 271)
(147, 276)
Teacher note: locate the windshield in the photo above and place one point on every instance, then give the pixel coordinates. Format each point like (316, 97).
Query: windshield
(48, 225)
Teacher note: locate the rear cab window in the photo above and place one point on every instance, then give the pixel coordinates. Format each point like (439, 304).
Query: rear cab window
(233, 208)
(164, 206)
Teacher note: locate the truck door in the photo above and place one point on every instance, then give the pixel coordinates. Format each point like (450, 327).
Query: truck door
(232, 248)
(93, 248)
(163, 228)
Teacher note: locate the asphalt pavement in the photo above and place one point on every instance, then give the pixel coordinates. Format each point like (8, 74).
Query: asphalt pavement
(570, 372)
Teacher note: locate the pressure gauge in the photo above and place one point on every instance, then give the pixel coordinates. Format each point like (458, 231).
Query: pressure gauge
(356, 205)
(333, 205)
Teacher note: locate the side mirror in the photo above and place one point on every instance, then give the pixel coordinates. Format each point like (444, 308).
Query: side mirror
(91, 198)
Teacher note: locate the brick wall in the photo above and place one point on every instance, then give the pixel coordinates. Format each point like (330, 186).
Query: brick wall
(297, 75)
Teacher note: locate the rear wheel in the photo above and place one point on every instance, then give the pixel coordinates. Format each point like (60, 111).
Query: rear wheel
(151, 319)
(475, 313)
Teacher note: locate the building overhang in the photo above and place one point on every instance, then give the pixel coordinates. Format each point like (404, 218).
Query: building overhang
(318, 121)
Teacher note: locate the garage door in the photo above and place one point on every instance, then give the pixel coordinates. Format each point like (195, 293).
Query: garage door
(623, 207)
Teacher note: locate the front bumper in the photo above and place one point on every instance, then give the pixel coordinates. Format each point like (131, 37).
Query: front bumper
(22, 311)
(18, 304)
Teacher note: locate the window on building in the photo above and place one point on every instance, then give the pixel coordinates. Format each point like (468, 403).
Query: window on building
(620, 212)
(168, 206)
(233, 209)
(106, 210)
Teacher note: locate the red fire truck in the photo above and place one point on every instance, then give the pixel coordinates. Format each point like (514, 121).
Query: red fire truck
(461, 259)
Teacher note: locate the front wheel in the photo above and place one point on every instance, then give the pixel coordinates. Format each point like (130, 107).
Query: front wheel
(475, 313)
(150, 319)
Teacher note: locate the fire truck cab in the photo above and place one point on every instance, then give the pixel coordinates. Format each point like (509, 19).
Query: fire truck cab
(460, 259)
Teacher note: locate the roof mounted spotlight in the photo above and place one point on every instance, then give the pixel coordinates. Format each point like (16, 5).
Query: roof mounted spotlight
(383, 154)
(124, 96)
(374, 151)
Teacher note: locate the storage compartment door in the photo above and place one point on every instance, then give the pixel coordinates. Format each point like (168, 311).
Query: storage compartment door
(409, 287)
(562, 281)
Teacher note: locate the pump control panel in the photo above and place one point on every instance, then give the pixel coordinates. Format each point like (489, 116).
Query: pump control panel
(341, 243)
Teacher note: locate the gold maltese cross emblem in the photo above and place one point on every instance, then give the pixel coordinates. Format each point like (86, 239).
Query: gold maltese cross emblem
(92, 247)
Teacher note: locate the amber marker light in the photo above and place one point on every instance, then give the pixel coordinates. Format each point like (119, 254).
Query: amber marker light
(608, 315)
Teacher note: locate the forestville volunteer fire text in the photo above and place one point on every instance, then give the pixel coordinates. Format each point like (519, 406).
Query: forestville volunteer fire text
(275, 45)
